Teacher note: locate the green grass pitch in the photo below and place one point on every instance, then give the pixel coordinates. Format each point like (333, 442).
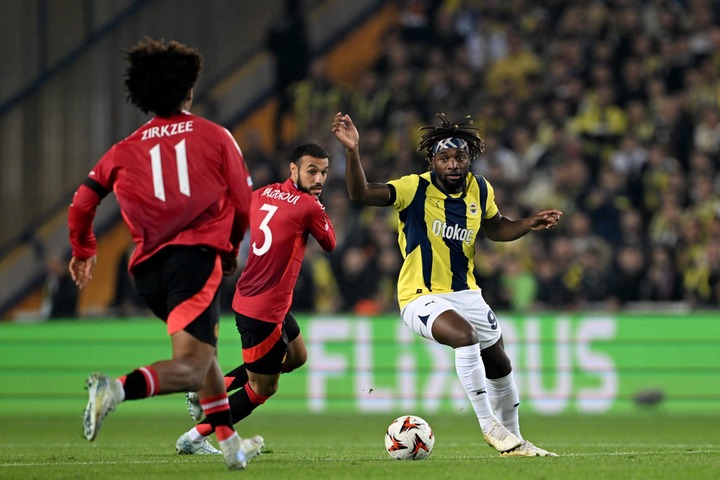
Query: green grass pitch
(42, 397)
(135, 443)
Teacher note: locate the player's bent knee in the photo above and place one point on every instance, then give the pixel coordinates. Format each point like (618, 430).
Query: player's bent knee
(465, 338)
(267, 390)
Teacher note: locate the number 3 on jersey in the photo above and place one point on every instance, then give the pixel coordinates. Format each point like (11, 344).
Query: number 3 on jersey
(263, 249)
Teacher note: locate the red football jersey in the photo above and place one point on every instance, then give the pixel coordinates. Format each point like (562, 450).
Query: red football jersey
(179, 181)
(281, 218)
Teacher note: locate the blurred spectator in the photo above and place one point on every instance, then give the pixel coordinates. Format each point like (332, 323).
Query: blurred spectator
(509, 75)
(712, 255)
(706, 137)
(315, 100)
(662, 282)
(316, 289)
(126, 301)
(632, 228)
(356, 278)
(497, 162)
(656, 177)
(594, 287)
(628, 275)
(265, 167)
(605, 202)
(600, 122)
(671, 127)
(640, 123)
(59, 295)
(370, 100)
(519, 285)
(628, 161)
(488, 274)
(416, 21)
(552, 293)
(287, 40)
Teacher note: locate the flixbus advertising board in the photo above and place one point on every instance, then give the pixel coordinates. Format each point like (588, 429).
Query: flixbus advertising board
(580, 363)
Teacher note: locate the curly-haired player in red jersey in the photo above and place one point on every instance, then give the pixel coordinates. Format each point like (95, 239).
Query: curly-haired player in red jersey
(282, 217)
(184, 193)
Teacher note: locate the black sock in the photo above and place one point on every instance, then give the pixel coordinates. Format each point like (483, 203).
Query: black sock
(239, 376)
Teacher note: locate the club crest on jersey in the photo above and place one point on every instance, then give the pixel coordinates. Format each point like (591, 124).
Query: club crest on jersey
(452, 232)
(473, 208)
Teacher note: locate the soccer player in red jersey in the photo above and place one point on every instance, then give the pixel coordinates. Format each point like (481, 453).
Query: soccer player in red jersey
(184, 193)
(282, 217)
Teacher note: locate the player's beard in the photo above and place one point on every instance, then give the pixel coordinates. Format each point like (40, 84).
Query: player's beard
(306, 189)
(454, 185)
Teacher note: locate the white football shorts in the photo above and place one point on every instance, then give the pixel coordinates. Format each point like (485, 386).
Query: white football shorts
(420, 314)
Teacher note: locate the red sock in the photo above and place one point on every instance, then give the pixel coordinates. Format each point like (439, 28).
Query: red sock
(217, 415)
(223, 432)
(228, 382)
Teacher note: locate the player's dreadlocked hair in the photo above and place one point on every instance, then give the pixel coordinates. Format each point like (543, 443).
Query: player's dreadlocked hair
(159, 75)
(458, 129)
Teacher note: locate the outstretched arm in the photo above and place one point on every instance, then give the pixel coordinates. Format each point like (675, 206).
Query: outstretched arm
(359, 189)
(502, 229)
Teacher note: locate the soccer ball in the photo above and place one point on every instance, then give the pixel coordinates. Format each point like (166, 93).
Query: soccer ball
(409, 438)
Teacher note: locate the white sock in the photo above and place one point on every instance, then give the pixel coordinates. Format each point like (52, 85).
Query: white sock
(471, 372)
(505, 400)
(229, 440)
(118, 391)
(194, 435)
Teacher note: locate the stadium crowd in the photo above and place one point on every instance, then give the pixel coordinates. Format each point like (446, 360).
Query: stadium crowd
(607, 110)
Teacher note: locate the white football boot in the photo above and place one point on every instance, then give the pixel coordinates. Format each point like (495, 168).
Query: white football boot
(185, 446)
(103, 395)
(527, 449)
(193, 405)
(500, 438)
(238, 452)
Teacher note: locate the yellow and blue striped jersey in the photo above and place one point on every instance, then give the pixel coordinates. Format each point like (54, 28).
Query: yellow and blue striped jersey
(437, 233)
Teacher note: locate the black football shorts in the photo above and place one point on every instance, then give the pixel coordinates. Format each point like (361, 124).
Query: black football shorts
(180, 284)
(265, 344)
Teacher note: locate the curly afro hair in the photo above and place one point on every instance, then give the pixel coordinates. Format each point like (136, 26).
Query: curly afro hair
(160, 75)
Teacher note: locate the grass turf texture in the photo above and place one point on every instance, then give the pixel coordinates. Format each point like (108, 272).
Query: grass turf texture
(134, 444)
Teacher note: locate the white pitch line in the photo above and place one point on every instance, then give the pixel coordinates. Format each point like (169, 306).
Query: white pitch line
(574, 455)
(70, 464)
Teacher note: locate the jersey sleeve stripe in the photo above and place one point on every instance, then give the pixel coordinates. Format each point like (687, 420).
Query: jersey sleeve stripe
(96, 187)
(483, 194)
(393, 194)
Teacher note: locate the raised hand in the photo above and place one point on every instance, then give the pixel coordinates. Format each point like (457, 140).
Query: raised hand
(345, 131)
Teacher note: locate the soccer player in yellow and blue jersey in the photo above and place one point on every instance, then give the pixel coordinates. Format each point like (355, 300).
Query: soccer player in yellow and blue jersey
(441, 213)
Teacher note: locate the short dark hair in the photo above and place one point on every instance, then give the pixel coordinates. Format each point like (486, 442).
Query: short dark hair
(310, 149)
(458, 129)
(159, 75)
